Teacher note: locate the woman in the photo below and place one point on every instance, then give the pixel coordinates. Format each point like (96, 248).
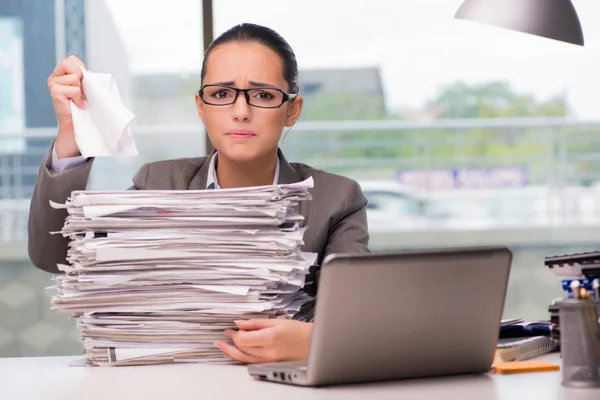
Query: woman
(249, 93)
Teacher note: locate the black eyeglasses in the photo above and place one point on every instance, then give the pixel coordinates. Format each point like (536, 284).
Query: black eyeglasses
(220, 95)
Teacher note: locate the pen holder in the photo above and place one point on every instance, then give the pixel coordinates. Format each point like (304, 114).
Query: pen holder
(580, 342)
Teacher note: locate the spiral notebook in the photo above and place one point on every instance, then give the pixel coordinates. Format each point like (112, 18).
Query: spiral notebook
(525, 348)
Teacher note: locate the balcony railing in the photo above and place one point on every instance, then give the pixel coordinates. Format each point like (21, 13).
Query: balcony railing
(558, 161)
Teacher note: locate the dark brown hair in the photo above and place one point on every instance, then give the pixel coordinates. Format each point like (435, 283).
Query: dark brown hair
(247, 32)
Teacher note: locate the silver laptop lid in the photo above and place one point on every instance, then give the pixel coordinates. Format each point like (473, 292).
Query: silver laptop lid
(407, 314)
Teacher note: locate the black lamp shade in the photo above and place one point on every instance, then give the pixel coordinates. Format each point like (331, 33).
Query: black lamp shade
(553, 19)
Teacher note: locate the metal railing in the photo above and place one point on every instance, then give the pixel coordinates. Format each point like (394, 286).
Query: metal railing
(561, 158)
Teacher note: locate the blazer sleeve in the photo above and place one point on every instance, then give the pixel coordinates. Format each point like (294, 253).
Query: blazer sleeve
(349, 232)
(47, 249)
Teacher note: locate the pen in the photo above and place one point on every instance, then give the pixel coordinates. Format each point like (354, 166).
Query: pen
(574, 285)
(596, 288)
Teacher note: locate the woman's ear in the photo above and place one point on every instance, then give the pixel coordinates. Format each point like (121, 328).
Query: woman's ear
(200, 106)
(294, 110)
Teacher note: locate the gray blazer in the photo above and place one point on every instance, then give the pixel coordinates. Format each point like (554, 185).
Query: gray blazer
(336, 215)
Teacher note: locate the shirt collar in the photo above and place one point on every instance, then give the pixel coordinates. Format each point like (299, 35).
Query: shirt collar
(211, 177)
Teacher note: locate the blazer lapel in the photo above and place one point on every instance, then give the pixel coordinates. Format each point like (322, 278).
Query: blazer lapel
(198, 182)
(287, 173)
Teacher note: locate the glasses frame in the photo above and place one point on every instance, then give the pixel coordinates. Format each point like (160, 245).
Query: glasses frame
(286, 96)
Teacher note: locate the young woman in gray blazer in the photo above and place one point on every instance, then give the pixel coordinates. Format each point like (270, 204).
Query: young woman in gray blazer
(249, 93)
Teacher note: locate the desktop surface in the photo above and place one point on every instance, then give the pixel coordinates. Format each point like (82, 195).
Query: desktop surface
(52, 378)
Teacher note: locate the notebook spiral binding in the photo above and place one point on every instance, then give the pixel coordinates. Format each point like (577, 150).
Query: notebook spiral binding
(526, 348)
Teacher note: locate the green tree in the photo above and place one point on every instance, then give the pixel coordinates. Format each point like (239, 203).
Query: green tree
(493, 100)
(324, 106)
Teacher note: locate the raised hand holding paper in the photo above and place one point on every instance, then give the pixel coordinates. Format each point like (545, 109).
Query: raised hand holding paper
(103, 128)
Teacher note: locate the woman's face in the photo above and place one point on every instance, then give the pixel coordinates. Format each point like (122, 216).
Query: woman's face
(239, 131)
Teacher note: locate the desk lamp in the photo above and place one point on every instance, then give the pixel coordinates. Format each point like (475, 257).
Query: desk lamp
(553, 19)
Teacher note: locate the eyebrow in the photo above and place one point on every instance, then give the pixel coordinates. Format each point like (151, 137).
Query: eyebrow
(251, 83)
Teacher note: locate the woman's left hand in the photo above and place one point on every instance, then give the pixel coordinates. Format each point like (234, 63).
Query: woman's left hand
(268, 340)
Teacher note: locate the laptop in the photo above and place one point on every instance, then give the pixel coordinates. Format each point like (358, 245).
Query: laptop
(399, 315)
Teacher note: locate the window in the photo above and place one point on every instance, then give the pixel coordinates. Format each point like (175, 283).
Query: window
(411, 90)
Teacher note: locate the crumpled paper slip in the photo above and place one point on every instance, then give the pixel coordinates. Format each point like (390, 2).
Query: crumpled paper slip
(103, 128)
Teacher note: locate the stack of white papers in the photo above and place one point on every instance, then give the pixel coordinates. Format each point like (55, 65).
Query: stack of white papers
(157, 276)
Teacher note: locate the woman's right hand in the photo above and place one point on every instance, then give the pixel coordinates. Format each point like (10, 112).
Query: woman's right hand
(64, 85)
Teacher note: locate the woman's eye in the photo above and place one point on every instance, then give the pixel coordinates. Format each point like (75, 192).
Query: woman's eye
(221, 94)
(264, 96)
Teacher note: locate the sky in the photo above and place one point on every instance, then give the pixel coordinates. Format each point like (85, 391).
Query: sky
(418, 44)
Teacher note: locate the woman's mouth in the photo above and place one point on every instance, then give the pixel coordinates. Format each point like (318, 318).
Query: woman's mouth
(240, 134)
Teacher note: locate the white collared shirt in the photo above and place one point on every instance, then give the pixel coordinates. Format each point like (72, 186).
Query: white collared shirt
(211, 177)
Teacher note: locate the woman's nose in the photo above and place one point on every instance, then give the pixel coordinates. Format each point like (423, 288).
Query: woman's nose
(241, 109)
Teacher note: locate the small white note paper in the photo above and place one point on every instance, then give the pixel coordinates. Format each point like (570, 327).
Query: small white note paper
(103, 128)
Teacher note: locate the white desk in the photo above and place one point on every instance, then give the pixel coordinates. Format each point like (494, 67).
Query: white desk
(51, 378)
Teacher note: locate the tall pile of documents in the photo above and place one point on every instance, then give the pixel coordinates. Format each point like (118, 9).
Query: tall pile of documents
(157, 276)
